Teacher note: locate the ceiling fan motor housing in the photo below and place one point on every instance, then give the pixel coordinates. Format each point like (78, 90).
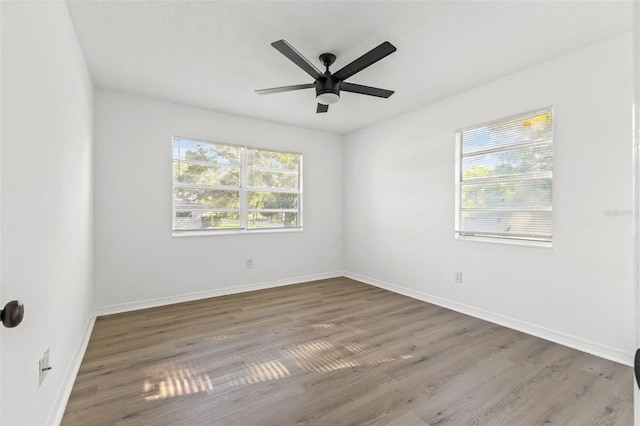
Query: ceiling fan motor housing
(327, 90)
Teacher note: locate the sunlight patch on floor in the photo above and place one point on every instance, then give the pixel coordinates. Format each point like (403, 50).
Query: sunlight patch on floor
(319, 356)
(261, 372)
(327, 325)
(176, 380)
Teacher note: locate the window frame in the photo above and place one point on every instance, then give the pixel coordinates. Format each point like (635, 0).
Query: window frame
(243, 194)
(496, 237)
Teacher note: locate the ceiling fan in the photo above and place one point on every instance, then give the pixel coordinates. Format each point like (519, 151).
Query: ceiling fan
(328, 85)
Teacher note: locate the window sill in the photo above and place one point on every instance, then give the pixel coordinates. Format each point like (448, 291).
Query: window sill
(183, 234)
(506, 241)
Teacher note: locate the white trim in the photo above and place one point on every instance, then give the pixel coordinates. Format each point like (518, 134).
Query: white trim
(575, 342)
(636, 194)
(234, 231)
(187, 297)
(60, 404)
(243, 219)
(510, 241)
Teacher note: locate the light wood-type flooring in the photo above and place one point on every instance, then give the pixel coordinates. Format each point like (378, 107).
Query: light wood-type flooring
(335, 352)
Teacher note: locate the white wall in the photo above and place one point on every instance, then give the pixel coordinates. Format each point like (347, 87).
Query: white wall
(399, 206)
(47, 119)
(137, 261)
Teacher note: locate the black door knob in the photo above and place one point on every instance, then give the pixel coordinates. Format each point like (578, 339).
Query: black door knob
(636, 367)
(12, 314)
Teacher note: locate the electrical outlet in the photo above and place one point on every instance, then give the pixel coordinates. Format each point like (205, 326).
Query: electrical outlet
(249, 263)
(43, 367)
(457, 277)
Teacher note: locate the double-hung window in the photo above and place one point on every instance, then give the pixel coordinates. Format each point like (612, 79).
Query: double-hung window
(504, 177)
(220, 187)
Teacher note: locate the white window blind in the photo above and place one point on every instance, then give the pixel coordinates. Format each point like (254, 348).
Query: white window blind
(234, 188)
(504, 177)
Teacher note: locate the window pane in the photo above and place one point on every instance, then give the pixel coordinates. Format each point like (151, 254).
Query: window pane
(259, 220)
(203, 175)
(535, 126)
(277, 170)
(202, 220)
(206, 198)
(271, 159)
(528, 159)
(504, 223)
(271, 200)
(267, 169)
(272, 179)
(508, 194)
(205, 152)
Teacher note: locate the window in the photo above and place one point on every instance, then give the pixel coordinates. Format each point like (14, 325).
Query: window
(504, 176)
(218, 187)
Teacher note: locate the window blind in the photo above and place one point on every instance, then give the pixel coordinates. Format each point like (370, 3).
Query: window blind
(504, 178)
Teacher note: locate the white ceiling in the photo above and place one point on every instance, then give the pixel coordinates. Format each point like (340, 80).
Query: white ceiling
(214, 54)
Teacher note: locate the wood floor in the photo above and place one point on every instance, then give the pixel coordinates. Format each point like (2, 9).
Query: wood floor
(335, 352)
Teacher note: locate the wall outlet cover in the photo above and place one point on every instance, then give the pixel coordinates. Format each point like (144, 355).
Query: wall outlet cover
(44, 366)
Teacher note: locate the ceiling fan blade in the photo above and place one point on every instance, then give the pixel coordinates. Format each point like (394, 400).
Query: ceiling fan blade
(322, 108)
(285, 89)
(287, 50)
(365, 60)
(365, 90)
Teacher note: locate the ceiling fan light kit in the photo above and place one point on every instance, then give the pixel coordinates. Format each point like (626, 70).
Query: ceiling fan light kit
(328, 85)
(328, 97)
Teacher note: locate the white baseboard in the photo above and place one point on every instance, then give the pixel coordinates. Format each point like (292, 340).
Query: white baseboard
(187, 297)
(57, 411)
(584, 345)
